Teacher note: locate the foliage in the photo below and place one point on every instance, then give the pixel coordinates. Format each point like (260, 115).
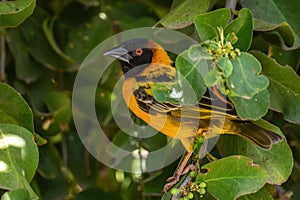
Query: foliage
(251, 53)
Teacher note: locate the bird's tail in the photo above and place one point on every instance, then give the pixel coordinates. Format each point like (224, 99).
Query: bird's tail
(257, 135)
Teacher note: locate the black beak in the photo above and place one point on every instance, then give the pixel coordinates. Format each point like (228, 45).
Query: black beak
(119, 53)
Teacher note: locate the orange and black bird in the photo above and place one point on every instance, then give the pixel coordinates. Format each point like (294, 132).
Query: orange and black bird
(145, 63)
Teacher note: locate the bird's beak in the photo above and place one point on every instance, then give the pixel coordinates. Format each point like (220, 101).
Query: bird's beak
(119, 53)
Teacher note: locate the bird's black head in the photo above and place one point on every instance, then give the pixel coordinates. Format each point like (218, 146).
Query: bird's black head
(135, 53)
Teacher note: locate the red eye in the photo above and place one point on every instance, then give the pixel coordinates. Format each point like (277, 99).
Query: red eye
(138, 51)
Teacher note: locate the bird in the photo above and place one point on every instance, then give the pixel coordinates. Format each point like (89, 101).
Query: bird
(145, 63)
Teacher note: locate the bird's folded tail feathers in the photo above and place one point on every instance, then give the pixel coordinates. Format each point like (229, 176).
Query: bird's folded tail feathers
(257, 135)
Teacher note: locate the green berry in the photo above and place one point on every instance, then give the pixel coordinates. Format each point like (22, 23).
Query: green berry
(174, 191)
(202, 185)
(202, 191)
(190, 195)
(192, 174)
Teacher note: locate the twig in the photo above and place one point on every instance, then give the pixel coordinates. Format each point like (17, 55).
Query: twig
(231, 4)
(3, 57)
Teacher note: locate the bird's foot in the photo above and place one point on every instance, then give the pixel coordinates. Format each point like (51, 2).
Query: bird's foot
(174, 179)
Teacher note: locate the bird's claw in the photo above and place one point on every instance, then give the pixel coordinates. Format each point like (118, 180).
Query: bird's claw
(174, 179)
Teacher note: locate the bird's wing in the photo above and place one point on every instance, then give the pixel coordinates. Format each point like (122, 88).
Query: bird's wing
(207, 108)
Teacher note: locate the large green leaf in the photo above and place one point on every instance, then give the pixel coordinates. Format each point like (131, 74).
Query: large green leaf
(242, 26)
(245, 80)
(38, 90)
(59, 105)
(284, 87)
(206, 24)
(50, 162)
(233, 176)
(27, 69)
(18, 194)
(263, 193)
(190, 66)
(86, 37)
(183, 15)
(189, 86)
(253, 108)
(134, 15)
(163, 93)
(56, 188)
(283, 57)
(275, 14)
(48, 28)
(40, 47)
(18, 158)
(277, 162)
(94, 194)
(14, 109)
(76, 153)
(13, 13)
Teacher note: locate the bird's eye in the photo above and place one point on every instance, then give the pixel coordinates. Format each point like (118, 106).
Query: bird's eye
(138, 51)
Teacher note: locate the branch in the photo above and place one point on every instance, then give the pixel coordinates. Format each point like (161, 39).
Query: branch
(3, 57)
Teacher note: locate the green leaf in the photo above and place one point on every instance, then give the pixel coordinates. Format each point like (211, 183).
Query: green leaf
(86, 37)
(231, 37)
(55, 188)
(253, 108)
(183, 15)
(76, 152)
(263, 193)
(94, 194)
(136, 14)
(19, 194)
(295, 190)
(189, 85)
(206, 24)
(50, 162)
(39, 46)
(242, 26)
(19, 158)
(283, 57)
(13, 13)
(233, 176)
(14, 109)
(89, 3)
(270, 15)
(212, 78)
(59, 105)
(163, 93)
(124, 141)
(48, 28)
(38, 90)
(284, 87)
(139, 22)
(225, 66)
(245, 80)
(277, 162)
(26, 68)
(189, 73)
